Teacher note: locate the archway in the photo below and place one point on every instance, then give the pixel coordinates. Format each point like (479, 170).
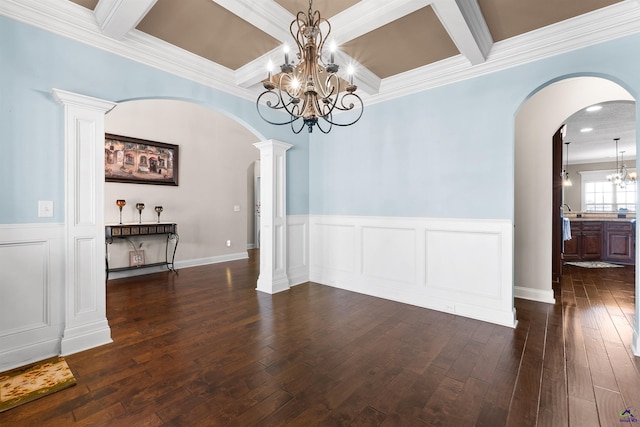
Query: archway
(213, 201)
(536, 121)
(85, 323)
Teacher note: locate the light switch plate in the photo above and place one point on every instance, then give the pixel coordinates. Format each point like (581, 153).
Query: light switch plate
(45, 208)
(236, 208)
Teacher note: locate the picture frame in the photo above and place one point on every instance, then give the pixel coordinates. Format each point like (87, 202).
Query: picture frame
(139, 161)
(136, 258)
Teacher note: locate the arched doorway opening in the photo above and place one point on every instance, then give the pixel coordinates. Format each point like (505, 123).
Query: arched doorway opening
(537, 120)
(213, 201)
(85, 324)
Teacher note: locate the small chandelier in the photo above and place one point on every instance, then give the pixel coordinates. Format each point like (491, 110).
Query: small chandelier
(309, 90)
(566, 181)
(622, 176)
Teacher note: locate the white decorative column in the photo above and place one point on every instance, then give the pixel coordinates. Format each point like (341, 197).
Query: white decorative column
(86, 323)
(273, 216)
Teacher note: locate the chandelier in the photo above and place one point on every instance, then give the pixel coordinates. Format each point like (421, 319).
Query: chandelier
(566, 181)
(309, 90)
(622, 176)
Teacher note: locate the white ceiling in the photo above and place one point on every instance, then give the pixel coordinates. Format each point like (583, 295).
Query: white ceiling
(616, 119)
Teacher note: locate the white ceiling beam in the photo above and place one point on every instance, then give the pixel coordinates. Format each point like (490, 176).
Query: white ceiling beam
(368, 15)
(267, 16)
(117, 17)
(466, 26)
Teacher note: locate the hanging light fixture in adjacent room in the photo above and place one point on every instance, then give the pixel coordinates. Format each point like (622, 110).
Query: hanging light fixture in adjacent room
(622, 176)
(310, 90)
(566, 181)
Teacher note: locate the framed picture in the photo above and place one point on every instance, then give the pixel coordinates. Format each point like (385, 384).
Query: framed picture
(138, 161)
(136, 258)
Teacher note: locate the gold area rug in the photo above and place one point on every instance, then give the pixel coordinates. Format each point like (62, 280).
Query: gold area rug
(27, 383)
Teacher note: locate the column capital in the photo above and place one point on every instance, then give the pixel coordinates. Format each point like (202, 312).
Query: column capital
(272, 144)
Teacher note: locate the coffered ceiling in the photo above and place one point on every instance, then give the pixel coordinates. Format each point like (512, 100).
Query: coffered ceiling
(385, 39)
(398, 47)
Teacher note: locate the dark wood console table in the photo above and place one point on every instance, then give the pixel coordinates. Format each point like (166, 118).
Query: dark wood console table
(129, 231)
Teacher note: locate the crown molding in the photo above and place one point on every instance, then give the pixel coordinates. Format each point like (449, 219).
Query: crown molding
(76, 22)
(615, 21)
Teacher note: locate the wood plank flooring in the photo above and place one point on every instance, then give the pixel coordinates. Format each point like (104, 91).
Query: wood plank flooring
(204, 348)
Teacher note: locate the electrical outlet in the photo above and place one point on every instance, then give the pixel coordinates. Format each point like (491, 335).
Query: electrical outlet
(236, 208)
(228, 243)
(45, 208)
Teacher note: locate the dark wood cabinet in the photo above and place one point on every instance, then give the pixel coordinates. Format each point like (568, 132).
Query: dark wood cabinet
(586, 241)
(612, 241)
(619, 238)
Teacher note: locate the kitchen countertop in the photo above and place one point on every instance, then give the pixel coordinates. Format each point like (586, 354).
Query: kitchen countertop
(600, 219)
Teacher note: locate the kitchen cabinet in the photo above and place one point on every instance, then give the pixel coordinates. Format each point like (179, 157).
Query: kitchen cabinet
(586, 242)
(619, 242)
(591, 240)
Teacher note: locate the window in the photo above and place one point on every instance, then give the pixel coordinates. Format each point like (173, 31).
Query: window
(600, 195)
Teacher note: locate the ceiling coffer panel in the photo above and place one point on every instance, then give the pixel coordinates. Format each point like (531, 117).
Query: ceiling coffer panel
(207, 29)
(410, 42)
(327, 8)
(509, 18)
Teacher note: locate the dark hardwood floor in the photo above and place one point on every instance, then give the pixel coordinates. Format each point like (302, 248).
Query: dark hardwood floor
(204, 348)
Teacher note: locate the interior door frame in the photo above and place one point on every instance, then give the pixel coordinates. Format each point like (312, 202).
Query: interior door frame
(556, 206)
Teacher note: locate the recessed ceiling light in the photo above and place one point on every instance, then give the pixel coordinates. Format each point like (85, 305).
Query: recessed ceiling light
(586, 129)
(594, 108)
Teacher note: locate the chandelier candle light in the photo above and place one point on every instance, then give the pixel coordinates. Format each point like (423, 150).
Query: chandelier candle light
(310, 90)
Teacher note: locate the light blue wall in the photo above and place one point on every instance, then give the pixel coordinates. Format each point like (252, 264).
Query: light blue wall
(445, 152)
(32, 62)
(449, 151)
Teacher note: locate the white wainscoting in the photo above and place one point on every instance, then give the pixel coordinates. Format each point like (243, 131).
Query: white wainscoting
(459, 266)
(31, 292)
(297, 249)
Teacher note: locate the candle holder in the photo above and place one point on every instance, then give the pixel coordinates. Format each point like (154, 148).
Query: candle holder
(158, 210)
(121, 203)
(140, 207)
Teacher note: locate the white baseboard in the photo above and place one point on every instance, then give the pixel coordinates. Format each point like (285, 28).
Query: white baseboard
(179, 264)
(16, 357)
(85, 337)
(539, 295)
(212, 260)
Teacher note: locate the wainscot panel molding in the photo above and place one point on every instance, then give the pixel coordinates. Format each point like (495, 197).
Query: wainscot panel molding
(31, 292)
(459, 266)
(298, 249)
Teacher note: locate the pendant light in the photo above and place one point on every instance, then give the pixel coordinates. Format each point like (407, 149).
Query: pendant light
(566, 181)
